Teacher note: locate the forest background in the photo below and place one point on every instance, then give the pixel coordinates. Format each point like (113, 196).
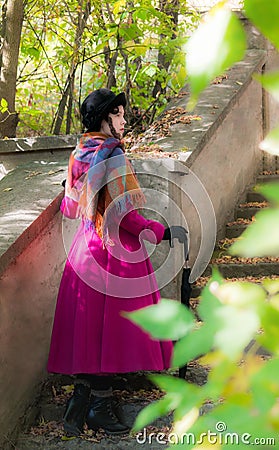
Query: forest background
(54, 52)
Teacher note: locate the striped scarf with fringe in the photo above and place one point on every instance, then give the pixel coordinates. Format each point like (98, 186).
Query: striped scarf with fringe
(101, 179)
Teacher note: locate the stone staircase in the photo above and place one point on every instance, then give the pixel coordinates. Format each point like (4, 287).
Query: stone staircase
(135, 390)
(250, 269)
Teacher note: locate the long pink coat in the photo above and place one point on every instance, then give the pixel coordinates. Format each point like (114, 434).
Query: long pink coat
(89, 333)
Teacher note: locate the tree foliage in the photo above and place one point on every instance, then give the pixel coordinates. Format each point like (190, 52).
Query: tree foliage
(69, 48)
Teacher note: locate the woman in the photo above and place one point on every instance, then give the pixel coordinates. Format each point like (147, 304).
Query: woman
(107, 272)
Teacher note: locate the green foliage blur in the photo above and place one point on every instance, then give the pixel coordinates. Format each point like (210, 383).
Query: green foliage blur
(237, 319)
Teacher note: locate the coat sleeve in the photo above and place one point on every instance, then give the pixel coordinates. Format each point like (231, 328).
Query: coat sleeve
(151, 230)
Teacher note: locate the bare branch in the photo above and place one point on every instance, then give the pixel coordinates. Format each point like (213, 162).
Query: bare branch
(46, 55)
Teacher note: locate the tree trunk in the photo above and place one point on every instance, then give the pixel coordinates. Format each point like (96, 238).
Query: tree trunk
(84, 12)
(70, 106)
(110, 60)
(12, 25)
(111, 64)
(171, 9)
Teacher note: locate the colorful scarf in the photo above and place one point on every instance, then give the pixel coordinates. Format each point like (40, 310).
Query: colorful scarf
(100, 179)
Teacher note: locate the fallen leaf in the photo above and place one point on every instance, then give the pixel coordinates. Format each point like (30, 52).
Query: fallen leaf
(263, 204)
(52, 172)
(218, 80)
(240, 221)
(32, 174)
(68, 388)
(160, 128)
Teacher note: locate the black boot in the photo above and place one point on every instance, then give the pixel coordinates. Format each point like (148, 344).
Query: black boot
(76, 409)
(102, 413)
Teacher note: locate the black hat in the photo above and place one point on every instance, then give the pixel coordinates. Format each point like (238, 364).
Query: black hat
(97, 105)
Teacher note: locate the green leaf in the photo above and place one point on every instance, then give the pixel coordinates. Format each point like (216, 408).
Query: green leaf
(166, 320)
(261, 238)
(270, 191)
(139, 50)
(222, 371)
(265, 385)
(30, 51)
(3, 105)
(183, 396)
(150, 70)
(120, 4)
(236, 416)
(217, 44)
(238, 326)
(34, 52)
(144, 13)
(241, 294)
(130, 32)
(209, 302)
(271, 143)
(270, 81)
(152, 412)
(169, 384)
(265, 15)
(181, 76)
(193, 345)
(235, 317)
(272, 286)
(270, 336)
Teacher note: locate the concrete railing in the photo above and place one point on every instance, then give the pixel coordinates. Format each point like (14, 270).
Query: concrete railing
(222, 152)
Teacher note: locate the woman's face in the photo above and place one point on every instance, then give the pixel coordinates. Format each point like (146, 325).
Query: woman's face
(114, 126)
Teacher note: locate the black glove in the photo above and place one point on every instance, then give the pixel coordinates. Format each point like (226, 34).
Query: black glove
(167, 234)
(63, 183)
(180, 233)
(175, 232)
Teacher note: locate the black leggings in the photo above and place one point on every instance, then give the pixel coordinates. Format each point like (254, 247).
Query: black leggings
(97, 382)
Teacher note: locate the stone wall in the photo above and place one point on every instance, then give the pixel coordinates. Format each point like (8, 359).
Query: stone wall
(27, 291)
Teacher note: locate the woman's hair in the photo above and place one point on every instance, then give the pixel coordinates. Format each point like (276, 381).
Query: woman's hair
(114, 110)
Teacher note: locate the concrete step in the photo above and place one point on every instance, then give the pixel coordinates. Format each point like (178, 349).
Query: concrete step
(198, 286)
(235, 229)
(50, 435)
(248, 212)
(239, 268)
(134, 391)
(254, 267)
(267, 178)
(253, 196)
